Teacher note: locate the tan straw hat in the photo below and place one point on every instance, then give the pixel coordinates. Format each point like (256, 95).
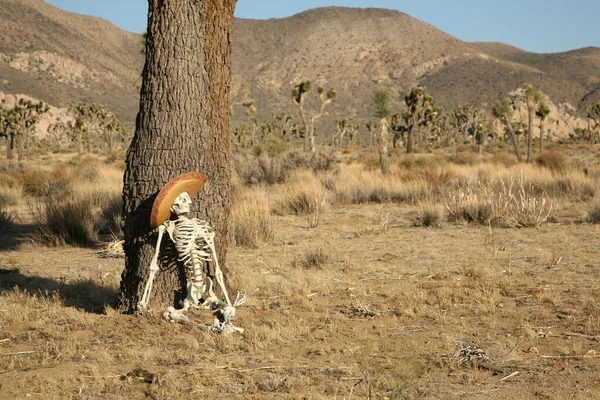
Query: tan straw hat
(189, 182)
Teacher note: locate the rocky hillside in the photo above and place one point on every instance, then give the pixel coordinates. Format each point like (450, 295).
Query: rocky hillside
(64, 58)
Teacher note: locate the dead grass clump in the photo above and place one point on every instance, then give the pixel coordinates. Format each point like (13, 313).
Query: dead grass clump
(574, 185)
(63, 222)
(554, 160)
(356, 185)
(465, 158)
(251, 220)
(299, 194)
(503, 158)
(11, 190)
(593, 214)
(5, 217)
(311, 259)
(428, 217)
(515, 201)
(35, 182)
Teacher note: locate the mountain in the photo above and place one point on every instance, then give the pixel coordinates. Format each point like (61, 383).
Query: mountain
(64, 58)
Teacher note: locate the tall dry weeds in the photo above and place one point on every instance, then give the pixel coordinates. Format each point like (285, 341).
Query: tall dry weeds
(251, 222)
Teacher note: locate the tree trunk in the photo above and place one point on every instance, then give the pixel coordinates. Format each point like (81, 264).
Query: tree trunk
(513, 137)
(542, 127)
(530, 112)
(409, 140)
(10, 145)
(384, 160)
(182, 126)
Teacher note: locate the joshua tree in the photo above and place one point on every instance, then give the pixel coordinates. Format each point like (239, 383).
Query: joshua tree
(383, 109)
(298, 97)
(8, 129)
(503, 110)
(465, 118)
(253, 117)
(21, 120)
(593, 113)
(371, 126)
(282, 123)
(182, 126)
(90, 122)
(542, 112)
(421, 111)
(398, 125)
(532, 99)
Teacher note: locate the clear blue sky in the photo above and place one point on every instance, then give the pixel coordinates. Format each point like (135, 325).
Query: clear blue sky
(541, 26)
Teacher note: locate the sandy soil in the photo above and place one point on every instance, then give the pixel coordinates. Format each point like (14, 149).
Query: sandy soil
(385, 316)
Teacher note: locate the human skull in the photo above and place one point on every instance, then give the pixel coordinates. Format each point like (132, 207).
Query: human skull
(182, 204)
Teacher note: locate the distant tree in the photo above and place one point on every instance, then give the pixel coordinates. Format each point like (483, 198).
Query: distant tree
(298, 98)
(464, 119)
(503, 111)
(342, 127)
(8, 129)
(371, 127)
(282, 123)
(532, 99)
(252, 115)
(24, 116)
(383, 110)
(593, 113)
(421, 111)
(91, 120)
(542, 112)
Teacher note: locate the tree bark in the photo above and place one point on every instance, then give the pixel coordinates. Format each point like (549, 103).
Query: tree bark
(542, 128)
(410, 140)
(384, 160)
(182, 126)
(530, 112)
(513, 137)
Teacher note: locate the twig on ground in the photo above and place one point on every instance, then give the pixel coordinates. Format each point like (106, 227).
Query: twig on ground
(510, 376)
(18, 353)
(580, 356)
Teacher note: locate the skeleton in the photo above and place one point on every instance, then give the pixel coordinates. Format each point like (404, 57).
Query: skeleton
(194, 242)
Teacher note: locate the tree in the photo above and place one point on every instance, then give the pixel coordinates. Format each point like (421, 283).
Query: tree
(383, 109)
(503, 110)
(542, 112)
(182, 126)
(371, 127)
(298, 98)
(421, 111)
(253, 117)
(532, 99)
(8, 129)
(24, 116)
(593, 113)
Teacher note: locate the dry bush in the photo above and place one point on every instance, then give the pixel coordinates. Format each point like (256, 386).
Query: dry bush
(428, 216)
(311, 259)
(5, 217)
(35, 181)
(299, 194)
(554, 160)
(356, 185)
(593, 214)
(503, 158)
(465, 158)
(63, 222)
(514, 200)
(251, 222)
(11, 190)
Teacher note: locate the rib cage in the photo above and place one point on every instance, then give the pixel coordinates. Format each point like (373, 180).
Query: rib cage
(194, 239)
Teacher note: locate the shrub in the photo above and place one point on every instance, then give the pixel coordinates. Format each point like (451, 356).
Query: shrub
(593, 214)
(554, 160)
(428, 217)
(63, 222)
(503, 158)
(251, 222)
(299, 194)
(311, 259)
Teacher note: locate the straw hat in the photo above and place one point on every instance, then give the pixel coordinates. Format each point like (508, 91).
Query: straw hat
(189, 182)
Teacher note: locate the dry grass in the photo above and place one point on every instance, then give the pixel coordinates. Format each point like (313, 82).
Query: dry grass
(299, 194)
(251, 221)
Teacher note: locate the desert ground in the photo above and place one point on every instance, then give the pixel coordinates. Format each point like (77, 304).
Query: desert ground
(428, 284)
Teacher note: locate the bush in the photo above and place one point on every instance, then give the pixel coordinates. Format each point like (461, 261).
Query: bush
(554, 160)
(504, 158)
(311, 259)
(428, 217)
(593, 215)
(63, 222)
(251, 222)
